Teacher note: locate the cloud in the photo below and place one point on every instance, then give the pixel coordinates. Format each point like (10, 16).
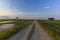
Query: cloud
(5, 10)
(47, 7)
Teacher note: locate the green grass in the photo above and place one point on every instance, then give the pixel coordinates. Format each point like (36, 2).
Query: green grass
(18, 26)
(54, 23)
(1, 20)
(52, 33)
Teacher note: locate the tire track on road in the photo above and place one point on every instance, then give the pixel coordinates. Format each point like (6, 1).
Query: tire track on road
(39, 33)
(23, 34)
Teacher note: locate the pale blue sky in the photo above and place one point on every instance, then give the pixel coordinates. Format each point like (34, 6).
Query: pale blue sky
(30, 8)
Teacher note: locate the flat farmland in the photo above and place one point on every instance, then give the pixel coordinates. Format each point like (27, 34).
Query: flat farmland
(54, 23)
(52, 27)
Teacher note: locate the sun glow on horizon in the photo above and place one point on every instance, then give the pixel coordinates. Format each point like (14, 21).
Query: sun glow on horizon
(5, 10)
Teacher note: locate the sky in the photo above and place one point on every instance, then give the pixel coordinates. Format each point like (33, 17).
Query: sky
(30, 8)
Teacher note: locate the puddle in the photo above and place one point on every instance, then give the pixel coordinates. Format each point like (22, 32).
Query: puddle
(6, 26)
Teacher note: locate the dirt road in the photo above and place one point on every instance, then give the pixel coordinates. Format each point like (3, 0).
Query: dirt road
(38, 33)
(21, 35)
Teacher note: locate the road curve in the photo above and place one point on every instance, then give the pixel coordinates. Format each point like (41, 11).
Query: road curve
(39, 33)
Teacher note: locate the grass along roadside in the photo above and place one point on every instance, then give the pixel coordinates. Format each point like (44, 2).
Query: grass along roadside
(18, 26)
(50, 32)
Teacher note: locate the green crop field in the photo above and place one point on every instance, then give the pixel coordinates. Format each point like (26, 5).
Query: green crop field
(55, 23)
(18, 26)
(49, 25)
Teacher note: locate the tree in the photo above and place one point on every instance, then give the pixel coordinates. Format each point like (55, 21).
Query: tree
(51, 18)
(17, 18)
